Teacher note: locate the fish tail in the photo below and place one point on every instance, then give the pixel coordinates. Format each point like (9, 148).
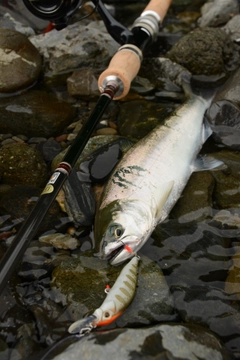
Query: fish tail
(204, 93)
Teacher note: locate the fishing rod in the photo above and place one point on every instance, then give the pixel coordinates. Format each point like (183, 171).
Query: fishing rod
(114, 83)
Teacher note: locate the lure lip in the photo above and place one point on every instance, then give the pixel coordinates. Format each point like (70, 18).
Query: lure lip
(83, 326)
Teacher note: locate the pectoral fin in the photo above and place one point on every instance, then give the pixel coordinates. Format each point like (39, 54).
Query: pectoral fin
(166, 190)
(206, 162)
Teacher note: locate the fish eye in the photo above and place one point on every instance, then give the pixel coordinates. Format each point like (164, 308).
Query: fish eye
(116, 231)
(107, 314)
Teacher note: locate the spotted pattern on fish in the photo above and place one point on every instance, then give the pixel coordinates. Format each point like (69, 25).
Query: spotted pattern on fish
(120, 177)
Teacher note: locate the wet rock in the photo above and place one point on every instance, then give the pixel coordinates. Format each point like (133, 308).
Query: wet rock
(94, 143)
(206, 52)
(213, 308)
(232, 28)
(83, 280)
(233, 279)
(224, 113)
(61, 241)
(49, 149)
(153, 301)
(21, 199)
(195, 202)
(83, 83)
(164, 73)
(35, 113)
(189, 253)
(19, 12)
(7, 21)
(163, 341)
(146, 117)
(20, 61)
(227, 192)
(77, 46)
(229, 219)
(22, 164)
(218, 12)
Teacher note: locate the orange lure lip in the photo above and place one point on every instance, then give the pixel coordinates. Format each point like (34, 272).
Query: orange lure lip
(109, 321)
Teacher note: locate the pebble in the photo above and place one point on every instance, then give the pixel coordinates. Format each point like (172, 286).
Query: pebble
(107, 131)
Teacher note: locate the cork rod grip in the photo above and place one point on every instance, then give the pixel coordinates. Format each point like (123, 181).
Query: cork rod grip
(124, 65)
(159, 6)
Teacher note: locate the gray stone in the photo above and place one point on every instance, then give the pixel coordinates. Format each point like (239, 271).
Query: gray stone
(20, 61)
(22, 164)
(218, 12)
(74, 47)
(165, 341)
(35, 114)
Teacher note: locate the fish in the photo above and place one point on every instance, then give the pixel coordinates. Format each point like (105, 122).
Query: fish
(150, 178)
(118, 298)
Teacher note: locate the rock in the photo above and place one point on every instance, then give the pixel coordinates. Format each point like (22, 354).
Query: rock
(164, 341)
(164, 73)
(35, 113)
(7, 21)
(212, 308)
(83, 83)
(224, 113)
(21, 199)
(21, 14)
(226, 192)
(61, 241)
(189, 253)
(195, 202)
(206, 52)
(232, 28)
(218, 12)
(77, 46)
(86, 277)
(20, 61)
(94, 143)
(49, 149)
(146, 117)
(22, 164)
(153, 301)
(233, 279)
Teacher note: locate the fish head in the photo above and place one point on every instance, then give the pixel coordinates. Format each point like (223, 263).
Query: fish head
(121, 229)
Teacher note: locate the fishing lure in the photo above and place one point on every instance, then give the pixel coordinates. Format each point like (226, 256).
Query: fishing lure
(118, 299)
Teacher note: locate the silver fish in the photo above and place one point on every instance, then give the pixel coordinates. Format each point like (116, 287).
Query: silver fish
(150, 178)
(119, 297)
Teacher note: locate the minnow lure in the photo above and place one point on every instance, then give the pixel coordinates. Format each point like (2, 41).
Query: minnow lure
(118, 299)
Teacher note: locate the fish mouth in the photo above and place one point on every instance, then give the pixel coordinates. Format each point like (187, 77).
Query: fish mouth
(115, 253)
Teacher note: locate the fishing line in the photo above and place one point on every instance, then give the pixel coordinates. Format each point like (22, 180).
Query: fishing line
(59, 343)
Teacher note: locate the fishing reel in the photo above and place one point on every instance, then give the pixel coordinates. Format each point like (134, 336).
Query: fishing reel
(60, 11)
(56, 11)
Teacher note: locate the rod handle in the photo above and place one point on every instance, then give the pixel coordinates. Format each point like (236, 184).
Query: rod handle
(126, 63)
(158, 6)
(122, 68)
